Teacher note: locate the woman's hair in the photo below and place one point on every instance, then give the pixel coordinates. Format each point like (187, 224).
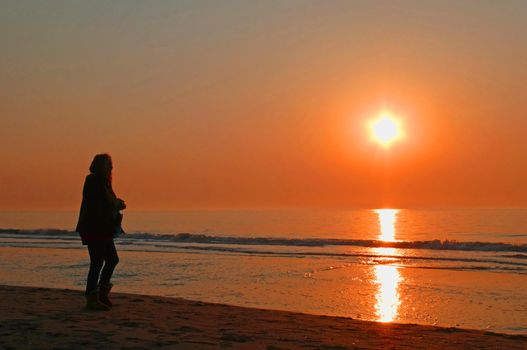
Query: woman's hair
(98, 162)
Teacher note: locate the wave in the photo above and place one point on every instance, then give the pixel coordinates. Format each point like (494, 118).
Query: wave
(37, 232)
(516, 256)
(270, 241)
(369, 258)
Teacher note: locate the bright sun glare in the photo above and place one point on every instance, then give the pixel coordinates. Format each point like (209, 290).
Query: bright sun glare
(385, 129)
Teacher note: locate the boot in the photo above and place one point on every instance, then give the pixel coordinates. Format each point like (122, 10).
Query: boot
(93, 303)
(104, 290)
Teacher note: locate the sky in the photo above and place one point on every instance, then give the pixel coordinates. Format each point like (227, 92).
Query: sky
(264, 104)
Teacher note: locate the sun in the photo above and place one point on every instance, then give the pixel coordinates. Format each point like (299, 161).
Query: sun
(385, 129)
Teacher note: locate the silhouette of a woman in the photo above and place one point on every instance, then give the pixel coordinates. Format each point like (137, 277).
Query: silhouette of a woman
(99, 222)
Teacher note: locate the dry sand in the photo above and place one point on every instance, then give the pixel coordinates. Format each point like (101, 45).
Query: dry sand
(55, 318)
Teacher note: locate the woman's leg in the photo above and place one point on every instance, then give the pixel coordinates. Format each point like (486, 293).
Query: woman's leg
(111, 259)
(96, 251)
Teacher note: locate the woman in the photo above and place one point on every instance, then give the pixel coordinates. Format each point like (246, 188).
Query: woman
(99, 222)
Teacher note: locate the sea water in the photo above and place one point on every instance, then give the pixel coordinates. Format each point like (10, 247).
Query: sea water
(456, 267)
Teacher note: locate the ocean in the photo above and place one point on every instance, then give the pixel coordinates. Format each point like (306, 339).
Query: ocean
(447, 267)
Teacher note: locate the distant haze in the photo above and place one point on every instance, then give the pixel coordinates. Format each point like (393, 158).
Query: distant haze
(263, 104)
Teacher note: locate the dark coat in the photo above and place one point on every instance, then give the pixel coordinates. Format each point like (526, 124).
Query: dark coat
(99, 216)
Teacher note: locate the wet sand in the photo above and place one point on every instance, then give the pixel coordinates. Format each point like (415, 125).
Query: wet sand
(56, 318)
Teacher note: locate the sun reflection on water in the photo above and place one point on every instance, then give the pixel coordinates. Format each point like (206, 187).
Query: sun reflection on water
(387, 219)
(387, 276)
(388, 300)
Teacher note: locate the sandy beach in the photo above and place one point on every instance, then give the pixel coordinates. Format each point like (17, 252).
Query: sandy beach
(55, 318)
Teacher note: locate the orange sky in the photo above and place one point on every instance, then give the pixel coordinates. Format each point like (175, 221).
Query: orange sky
(259, 105)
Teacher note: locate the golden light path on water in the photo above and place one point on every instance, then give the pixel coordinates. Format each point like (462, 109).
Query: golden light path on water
(387, 276)
(387, 218)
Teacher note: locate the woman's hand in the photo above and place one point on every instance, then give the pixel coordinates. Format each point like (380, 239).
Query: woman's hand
(121, 205)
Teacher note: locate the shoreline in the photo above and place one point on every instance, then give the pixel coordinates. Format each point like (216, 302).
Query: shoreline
(55, 318)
